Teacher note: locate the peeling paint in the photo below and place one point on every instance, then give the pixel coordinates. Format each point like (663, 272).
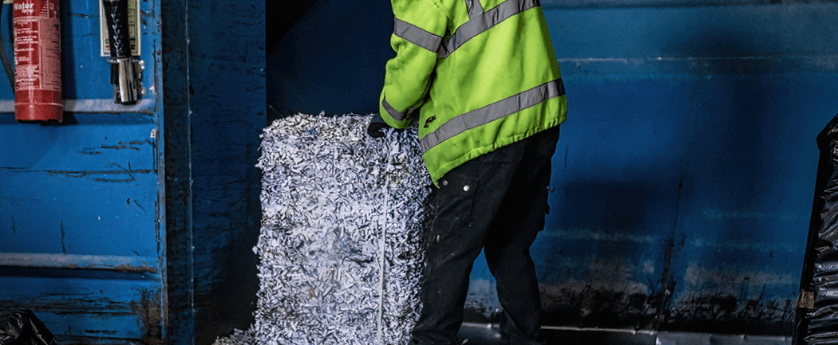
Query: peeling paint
(728, 314)
(90, 173)
(148, 310)
(599, 235)
(584, 305)
(128, 145)
(100, 332)
(739, 246)
(720, 215)
(86, 173)
(667, 285)
(89, 151)
(134, 269)
(82, 15)
(637, 307)
(63, 242)
(84, 316)
(80, 262)
(732, 280)
(70, 304)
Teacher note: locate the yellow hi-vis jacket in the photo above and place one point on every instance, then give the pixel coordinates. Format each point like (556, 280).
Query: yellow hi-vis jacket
(481, 74)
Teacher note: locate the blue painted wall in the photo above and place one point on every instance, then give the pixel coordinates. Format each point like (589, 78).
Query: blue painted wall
(82, 239)
(683, 182)
(318, 68)
(85, 205)
(684, 187)
(227, 114)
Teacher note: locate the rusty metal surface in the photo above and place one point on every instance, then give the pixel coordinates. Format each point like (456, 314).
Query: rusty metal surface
(80, 262)
(87, 306)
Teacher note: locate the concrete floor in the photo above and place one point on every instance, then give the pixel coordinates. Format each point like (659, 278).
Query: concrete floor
(487, 334)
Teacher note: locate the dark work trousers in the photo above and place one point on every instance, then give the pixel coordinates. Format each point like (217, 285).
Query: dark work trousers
(495, 202)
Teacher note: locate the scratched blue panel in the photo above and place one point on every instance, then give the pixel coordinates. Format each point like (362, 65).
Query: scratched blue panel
(40, 215)
(83, 307)
(94, 142)
(88, 188)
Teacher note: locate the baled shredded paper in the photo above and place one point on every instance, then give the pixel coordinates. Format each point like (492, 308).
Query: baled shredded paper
(337, 207)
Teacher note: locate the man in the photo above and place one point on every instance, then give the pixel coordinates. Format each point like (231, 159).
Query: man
(484, 81)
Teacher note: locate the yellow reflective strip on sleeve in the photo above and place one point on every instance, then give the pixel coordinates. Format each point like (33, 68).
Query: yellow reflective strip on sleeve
(395, 114)
(416, 35)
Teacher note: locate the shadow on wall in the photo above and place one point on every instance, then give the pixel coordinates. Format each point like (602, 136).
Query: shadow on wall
(332, 60)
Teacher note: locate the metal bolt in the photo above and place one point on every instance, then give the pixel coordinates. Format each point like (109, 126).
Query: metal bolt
(466, 188)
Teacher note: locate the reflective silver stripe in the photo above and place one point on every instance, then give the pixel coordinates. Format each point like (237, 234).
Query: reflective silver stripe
(416, 35)
(474, 8)
(395, 114)
(479, 24)
(492, 112)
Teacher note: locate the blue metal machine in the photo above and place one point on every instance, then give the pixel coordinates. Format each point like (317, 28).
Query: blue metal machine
(82, 238)
(682, 190)
(683, 181)
(96, 234)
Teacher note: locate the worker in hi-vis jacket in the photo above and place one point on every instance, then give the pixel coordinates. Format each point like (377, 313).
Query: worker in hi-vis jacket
(483, 79)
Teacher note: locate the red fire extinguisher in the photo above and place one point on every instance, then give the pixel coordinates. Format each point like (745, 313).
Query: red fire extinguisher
(37, 37)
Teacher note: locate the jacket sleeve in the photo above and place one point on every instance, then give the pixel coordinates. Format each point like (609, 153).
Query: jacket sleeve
(417, 33)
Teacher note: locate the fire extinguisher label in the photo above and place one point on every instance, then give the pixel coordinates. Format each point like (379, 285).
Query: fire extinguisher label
(37, 45)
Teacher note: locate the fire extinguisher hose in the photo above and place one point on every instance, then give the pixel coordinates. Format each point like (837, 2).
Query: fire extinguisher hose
(5, 56)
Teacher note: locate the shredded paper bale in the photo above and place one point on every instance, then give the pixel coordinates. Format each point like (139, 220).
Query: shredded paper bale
(337, 206)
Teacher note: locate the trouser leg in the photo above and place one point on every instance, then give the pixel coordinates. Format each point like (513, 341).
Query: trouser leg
(449, 257)
(518, 221)
(460, 213)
